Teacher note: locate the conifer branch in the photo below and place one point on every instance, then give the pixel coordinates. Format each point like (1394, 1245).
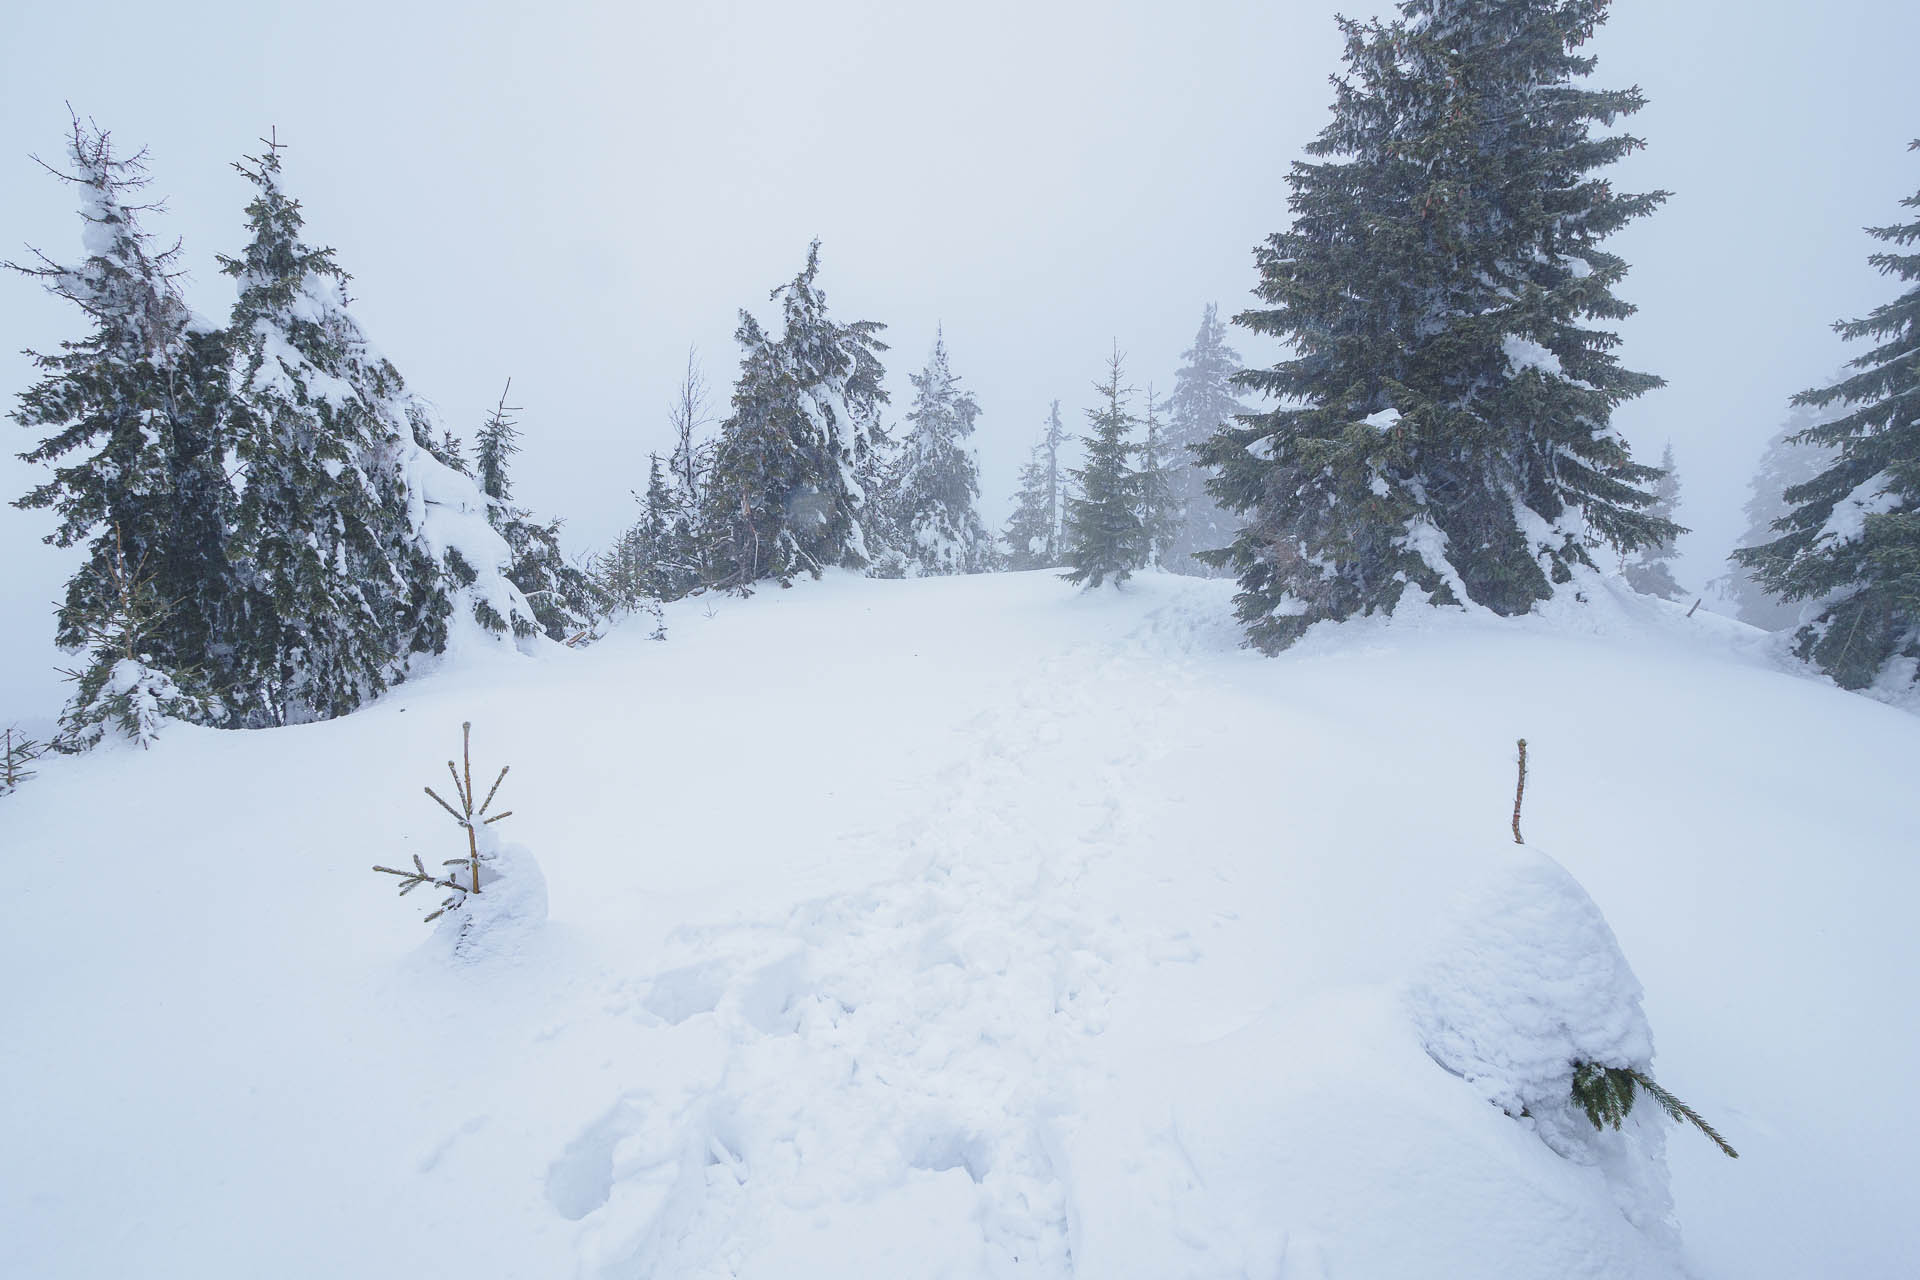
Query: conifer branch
(1680, 1111)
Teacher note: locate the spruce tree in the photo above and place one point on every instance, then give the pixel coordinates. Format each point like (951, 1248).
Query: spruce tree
(565, 600)
(1202, 402)
(1104, 535)
(357, 546)
(1852, 540)
(784, 495)
(689, 464)
(1032, 534)
(1160, 514)
(1786, 462)
(936, 498)
(1444, 420)
(135, 420)
(1650, 569)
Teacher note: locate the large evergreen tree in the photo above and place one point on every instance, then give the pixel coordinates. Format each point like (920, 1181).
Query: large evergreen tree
(784, 494)
(1032, 534)
(1650, 569)
(358, 547)
(134, 415)
(1444, 419)
(936, 499)
(1202, 402)
(1104, 534)
(1852, 541)
(1788, 460)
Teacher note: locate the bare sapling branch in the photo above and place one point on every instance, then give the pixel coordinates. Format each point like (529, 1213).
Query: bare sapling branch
(1519, 792)
(469, 819)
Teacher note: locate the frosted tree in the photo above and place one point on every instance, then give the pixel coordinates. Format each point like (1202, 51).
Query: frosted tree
(1104, 536)
(1032, 534)
(1160, 515)
(1788, 461)
(689, 464)
(937, 495)
(134, 416)
(1444, 423)
(358, 547)
(1202, 402)
(784, 496)
(1851, 543)
(565, 599)
(1650, 569)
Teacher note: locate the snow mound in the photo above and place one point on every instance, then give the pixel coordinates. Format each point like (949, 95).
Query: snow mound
(495, 924)
(1529, 981)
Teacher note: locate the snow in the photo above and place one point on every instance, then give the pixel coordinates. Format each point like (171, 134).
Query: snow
(972, 927)
(1524, 353)
(1848, 521)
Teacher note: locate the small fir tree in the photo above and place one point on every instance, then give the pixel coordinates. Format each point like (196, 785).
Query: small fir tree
(1445, 426)
(1160, 516)
(1788, 461)
(1203, 401)
(1650, 569)
(784, 495)
(1032, 534)
(1851, 543)
(1104, 535)
(565, 600)
(936, 498)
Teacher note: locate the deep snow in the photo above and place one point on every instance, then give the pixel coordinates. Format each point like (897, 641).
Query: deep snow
(980, 927)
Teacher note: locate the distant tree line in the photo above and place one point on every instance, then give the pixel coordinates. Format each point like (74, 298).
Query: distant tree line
(275, 527)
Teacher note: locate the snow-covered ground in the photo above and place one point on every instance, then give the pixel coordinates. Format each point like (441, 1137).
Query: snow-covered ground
(979, 927)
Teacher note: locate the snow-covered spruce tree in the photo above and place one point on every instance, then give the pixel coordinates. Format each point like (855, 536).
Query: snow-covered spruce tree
(122, 692)
(1202, 402)
(1444, 424)
(1649, 570)
(1104, 536)
(1852, 540)
(134, 415)
(1160, 514)
(357, 546)
(1788, 460)
(689, 464)
(784, 495)
(936, 498)
(1032, 534)
(564, 598)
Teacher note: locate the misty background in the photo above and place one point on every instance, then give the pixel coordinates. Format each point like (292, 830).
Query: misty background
(573, 198)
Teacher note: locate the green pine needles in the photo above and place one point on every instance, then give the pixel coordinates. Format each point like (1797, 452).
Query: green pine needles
(1607, 1094)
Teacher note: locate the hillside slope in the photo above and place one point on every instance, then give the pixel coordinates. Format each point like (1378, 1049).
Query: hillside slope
(978, 927)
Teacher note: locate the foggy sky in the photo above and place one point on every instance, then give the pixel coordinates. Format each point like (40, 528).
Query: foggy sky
(573, 197)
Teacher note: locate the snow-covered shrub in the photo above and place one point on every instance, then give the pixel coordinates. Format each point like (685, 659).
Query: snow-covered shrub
(127, 698)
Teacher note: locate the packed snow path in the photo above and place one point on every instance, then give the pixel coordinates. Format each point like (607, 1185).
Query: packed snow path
(967, 928)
